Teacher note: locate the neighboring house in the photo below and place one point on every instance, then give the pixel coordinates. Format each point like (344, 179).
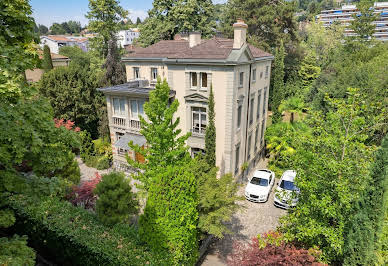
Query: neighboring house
(126, 37)
(239, 74)
(54, 42)
(344, 15)
(34, 75)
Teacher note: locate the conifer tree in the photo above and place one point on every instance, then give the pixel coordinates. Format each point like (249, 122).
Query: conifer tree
(278, 86)
(210, 136)
(115, 70)
(361, 240)
(47, 63)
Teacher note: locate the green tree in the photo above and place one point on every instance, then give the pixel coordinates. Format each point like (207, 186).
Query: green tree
(362, 24)
(365, 228)
(57, 29)
(47, 62)
(210, 135)
(77, 56)
(332, 163)
(72, 94)
(309, 71)
(104, 19)
(43, 29)
(170, 217)
(74, 26)
(278, 88)
(166, 145)
(115, 70)
(167, 18)
(115, 202)
(217, 198)
(268, 21)
(292, 105)
(138, 21)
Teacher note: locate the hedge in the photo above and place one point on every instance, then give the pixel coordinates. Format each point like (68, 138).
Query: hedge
(74, 236)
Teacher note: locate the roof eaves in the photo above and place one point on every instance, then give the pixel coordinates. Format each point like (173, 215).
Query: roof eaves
(131, 59)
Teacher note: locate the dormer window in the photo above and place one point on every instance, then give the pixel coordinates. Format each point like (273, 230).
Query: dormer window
(204, 80)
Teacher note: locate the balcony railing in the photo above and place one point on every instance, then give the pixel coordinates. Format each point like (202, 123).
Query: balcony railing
(135, 124)
(118, 121)
(198, 131)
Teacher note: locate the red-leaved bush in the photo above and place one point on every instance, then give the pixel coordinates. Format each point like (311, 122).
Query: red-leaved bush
(270, 250)
(67, 124)
(82, 195)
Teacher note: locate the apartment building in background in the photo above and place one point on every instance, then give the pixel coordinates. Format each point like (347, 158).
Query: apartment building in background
(126, 37)
(239, 74)
(54, 42)
(344, 15)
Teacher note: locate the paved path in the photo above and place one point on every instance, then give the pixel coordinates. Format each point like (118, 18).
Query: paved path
(252, 219)
(88, 173)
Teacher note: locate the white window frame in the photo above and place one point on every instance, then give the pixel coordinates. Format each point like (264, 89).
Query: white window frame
(264, 101)
(239, 116)
(258, 106)
(249, 143)
(191, 80)
(121, 111)
(237, 158)
(241, 80)
(137, 116)
(153, 71)
(251, 108)
(254, 75)
(136, 72)
(256, 138)
(266, 71)
(207, 80)
(199, 111)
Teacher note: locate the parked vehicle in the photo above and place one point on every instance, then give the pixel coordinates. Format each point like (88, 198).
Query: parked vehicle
(260, 185)
(286, 193)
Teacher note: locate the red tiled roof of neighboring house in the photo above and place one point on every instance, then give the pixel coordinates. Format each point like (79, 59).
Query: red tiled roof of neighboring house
(65, 38)
(215, 48)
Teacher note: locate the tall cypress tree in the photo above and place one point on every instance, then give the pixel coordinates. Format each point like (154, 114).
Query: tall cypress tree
(361, 240)
(278, 86)
(47, 63)
(115, 70)
(210, 136)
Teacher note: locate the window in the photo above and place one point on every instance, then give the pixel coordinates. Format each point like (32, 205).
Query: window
(119, 106)
(119, 135)
(136, 73)
(241, 80)
(251, 110)
(199, 118)
(261, 74)
(193, 79)
(154, 73)
(203, 80)
(249, 146)
(197, 151)
(258, 105)
(264, 101)
(237, 158)
(137, 108)
(254, 75)
(256, 138)
(266, 71)
(262, 132)
(239, 110)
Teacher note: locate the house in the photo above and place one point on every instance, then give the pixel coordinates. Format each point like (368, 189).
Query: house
(54, 42)
(34, 75)
(126, 37)
(239, 74)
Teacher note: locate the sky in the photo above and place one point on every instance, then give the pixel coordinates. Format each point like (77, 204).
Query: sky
(47, 12)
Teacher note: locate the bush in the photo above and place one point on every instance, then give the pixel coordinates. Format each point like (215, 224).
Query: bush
(15, 252)
(83, 195)
(71, 235)
(96, 153)
(115, 200)
(102, 162)
(271, 249)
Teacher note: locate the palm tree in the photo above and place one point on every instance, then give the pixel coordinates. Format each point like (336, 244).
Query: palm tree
(292, 105)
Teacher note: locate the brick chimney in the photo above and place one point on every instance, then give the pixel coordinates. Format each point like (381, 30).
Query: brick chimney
(240, 34)
(194, 38)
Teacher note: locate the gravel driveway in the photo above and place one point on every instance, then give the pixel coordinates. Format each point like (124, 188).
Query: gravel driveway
(252, 219)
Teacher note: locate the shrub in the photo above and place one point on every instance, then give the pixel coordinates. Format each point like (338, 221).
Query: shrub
(102, 162)
(83, 195)
(70, 235)
(15, 252)
(271, 249)
(115, 199)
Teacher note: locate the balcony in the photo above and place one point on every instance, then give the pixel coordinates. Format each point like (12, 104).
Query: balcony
(134, 124)
(119, 122)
